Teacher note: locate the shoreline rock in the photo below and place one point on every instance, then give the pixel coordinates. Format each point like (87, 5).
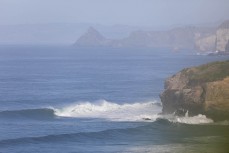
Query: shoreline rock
(199, 90)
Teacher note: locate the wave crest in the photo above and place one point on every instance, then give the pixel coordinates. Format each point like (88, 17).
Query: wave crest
(40, 113)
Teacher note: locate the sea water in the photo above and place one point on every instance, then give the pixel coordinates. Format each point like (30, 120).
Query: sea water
(64, 99)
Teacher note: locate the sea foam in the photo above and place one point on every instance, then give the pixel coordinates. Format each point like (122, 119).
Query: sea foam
(198, 119)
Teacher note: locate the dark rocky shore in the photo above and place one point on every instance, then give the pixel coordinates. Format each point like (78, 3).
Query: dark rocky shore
(199, 90)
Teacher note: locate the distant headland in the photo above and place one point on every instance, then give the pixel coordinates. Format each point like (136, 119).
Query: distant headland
(214, 41)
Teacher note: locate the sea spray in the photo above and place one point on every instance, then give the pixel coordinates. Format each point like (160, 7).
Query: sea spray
(198, 119)
(112, 111)
(145, 111)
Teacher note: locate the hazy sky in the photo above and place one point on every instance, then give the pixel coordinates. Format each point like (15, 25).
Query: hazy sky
(109, 12)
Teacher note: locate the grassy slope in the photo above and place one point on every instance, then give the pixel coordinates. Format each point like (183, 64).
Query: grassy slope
(207, 73)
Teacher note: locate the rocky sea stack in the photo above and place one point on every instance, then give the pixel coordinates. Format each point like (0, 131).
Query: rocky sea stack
(199, 90)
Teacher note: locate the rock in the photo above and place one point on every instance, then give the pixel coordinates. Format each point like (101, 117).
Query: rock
(199, 90)
(217, 98)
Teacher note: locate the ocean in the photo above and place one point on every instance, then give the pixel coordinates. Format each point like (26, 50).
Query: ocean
(61, 99)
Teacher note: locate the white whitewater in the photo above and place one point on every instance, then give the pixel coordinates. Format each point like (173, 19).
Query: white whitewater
(142, 111)
(198, 119)
(112, 111)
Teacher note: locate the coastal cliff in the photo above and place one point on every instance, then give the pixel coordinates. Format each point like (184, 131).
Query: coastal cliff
(222, 37)
(217, 41)
(199, 90)
(202, 39)
(175, 39)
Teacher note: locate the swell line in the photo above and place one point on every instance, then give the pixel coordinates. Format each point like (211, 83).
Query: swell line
(40, 113)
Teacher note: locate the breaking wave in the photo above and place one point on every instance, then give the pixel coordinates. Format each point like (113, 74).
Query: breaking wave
(148, 111)
(145, 111)
(112, 111)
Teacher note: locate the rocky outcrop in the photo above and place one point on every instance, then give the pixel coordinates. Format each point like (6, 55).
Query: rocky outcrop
(199, 90)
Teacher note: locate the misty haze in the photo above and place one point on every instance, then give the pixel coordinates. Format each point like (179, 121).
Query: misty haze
(114, 76)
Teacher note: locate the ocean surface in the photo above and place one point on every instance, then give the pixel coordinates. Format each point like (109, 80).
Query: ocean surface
(59, 99)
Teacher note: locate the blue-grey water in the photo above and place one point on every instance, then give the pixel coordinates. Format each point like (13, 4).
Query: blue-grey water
(65, 99)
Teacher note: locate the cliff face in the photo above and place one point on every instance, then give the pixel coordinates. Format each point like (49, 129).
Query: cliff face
(216, 41)
(222, 36)
(227, 46)
(199, 90)
(206, 43)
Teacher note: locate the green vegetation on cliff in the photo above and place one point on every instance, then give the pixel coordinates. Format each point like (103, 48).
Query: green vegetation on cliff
(207, 73)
